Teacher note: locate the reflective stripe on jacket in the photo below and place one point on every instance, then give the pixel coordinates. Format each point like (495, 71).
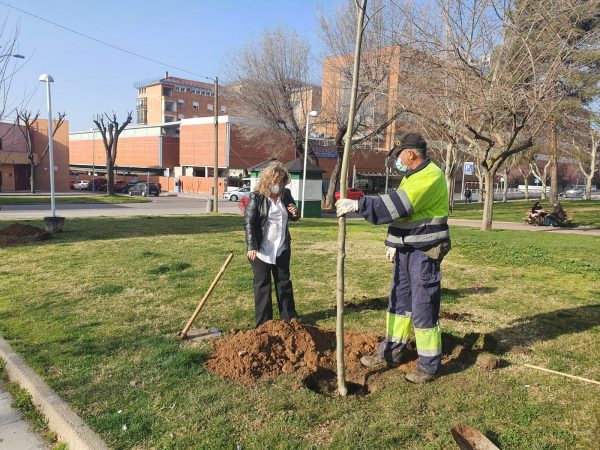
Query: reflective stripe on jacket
(417, 212)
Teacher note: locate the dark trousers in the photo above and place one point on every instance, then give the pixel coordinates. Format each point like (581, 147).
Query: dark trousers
(414, 302)
(283, 288)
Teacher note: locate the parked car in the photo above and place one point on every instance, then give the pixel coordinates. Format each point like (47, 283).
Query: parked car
(234, 196)
(81, 185)
(99, 184)
(144, 189)
(352, 194)
(574, 193)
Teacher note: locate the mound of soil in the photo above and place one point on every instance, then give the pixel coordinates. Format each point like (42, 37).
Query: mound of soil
(17, 233)
(278, 347)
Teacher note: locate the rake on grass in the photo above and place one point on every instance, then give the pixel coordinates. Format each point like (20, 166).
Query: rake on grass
(183, 333)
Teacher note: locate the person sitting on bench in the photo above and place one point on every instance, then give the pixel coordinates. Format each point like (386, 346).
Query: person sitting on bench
(556, 217)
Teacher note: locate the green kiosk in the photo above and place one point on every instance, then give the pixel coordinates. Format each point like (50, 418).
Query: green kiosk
(314, 184)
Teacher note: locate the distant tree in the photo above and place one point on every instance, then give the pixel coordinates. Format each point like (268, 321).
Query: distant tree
(380, 65)
(25, 123)
(269, 85)
(110, 131)
(499, 63)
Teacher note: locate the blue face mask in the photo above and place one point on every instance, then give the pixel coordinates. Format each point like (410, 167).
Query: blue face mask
(401, 167)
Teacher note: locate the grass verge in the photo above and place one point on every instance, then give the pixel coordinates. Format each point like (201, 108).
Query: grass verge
(96, 309)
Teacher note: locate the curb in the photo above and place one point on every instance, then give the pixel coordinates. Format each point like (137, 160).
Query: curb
(61, 418)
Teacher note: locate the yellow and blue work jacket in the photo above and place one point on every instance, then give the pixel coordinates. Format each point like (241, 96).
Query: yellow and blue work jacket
(417, 212)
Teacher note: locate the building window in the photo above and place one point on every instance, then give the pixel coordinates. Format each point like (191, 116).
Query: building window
(210, 106)
(195, 105)
(167, 92)
(141, 91)
(180, 116)
(181, 103)
(169, 119)
(223, 109)
(170, 106)
(200, 172)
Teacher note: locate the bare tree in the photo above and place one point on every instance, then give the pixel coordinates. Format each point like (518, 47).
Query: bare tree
(586, 155)
(110, 131)
(540, 167)
(495, 62)
(270, 88)
(522, 161)
(8, 66)
(25, 123)
(379, 67)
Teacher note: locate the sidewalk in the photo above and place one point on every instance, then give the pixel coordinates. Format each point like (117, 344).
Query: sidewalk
(14, 431)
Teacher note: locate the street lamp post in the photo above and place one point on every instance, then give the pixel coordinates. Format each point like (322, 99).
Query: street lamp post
(48, 79)
(310, 114)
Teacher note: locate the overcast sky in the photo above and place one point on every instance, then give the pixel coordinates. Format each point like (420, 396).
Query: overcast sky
(90, 78)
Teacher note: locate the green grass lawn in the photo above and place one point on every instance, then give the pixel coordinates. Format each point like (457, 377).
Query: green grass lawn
(96, 309)
(45, 200)
(586, 213)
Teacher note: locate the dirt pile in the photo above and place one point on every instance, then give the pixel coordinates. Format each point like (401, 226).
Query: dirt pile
(279, 347)
(18, 233)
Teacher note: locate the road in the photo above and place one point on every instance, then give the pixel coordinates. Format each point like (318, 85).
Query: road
(158, 206)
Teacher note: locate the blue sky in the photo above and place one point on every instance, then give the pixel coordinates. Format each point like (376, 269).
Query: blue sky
(92, 78)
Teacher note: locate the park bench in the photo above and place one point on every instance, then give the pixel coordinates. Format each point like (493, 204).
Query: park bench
(569, 220)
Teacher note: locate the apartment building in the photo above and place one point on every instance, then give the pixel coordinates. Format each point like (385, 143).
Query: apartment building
(170, 99)
(15, 169)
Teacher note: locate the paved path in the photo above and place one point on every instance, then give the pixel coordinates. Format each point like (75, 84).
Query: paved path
(14, 431)
(196, 204)
(159, 206)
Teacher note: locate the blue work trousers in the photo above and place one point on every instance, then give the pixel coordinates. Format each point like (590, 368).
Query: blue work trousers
(414, 301)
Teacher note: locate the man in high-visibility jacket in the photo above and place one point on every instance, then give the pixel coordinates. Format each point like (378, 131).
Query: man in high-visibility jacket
(418, 239)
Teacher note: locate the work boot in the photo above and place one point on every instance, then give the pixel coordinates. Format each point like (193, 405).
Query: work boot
(419, 376)
(375, 361)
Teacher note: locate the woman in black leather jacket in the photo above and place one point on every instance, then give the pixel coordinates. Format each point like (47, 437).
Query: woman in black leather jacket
(269, 209)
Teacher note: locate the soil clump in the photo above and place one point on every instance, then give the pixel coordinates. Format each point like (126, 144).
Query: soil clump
(17, 234)
(278, 347)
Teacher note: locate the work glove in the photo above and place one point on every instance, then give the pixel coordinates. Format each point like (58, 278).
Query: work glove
(345, 205)
(390, 254)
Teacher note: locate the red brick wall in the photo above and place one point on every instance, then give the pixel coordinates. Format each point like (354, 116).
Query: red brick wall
(196, 146)
(61, 156)
(138, 151)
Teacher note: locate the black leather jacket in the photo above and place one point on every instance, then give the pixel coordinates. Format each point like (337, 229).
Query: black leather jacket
(257, 215)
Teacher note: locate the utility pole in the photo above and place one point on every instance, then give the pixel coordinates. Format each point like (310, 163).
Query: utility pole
(216, 169)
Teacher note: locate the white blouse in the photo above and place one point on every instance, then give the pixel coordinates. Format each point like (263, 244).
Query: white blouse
(273, 243)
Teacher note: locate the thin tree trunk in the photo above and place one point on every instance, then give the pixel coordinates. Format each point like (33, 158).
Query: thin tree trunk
(110, 176)
(449, 174)
(32, 176)
(339, 329)
(488, 205)
(590, 177)
(505, 187)
(333, 180)
(553, 162)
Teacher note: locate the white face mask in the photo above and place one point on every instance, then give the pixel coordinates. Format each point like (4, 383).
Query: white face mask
(275, 189)
(401, 167)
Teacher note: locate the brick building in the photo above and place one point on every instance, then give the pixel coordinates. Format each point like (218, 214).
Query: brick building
(170, 99)
(15, 169)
